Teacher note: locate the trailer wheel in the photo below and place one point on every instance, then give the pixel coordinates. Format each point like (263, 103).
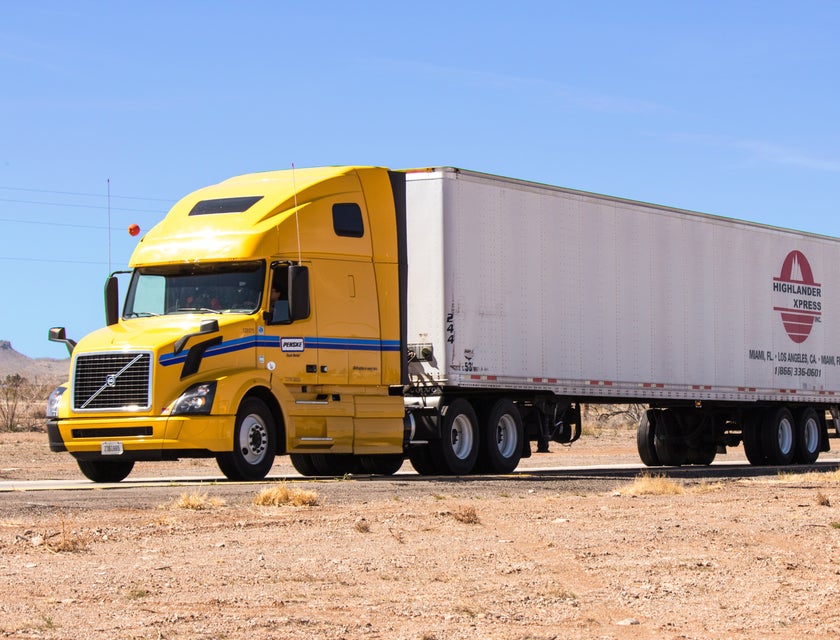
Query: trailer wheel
(456, 451)
(668, 441)
(106, 470)
(645, 434)
(501, 441)
(381, 464)
(253, 443)
(808, 436)
(704, 454)
(751, 436)
(778, 436)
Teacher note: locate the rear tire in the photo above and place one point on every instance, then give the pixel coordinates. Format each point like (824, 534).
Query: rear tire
(456, 452)
(382, 464)
(808, 436)
(704, 455)
(668, 441)
(303, 464)
(420, 457)
(645, 435)
(751, 436)
(501, 442)
(777, 436)
(106, 470)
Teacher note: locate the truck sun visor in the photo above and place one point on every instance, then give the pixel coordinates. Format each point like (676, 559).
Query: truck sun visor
(224, 205)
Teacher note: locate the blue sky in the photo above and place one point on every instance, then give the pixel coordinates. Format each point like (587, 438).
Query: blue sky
(728, 108)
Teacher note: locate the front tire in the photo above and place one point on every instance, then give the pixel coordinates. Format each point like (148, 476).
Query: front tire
(106, 470)
(254, 443)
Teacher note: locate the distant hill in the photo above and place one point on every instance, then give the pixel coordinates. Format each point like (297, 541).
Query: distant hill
(41, 369)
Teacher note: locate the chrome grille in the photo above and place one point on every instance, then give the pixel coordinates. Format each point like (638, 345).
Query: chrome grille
(112, 381)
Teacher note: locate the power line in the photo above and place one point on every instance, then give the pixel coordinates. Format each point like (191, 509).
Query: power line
(103, 263)
(86, 195)
(60, 224)
(81, 206)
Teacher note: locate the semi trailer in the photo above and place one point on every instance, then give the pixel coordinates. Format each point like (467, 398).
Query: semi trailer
(353, 317)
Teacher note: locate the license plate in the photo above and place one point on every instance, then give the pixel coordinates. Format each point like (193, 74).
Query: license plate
(111, 448)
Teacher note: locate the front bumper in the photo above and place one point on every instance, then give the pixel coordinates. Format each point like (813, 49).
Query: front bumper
(143, 438)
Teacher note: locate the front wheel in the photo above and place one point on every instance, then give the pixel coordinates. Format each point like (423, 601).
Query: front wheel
(254, 443)
(106, 470)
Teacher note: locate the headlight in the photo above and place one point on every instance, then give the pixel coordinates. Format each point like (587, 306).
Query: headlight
(53, 401)
(197, 399)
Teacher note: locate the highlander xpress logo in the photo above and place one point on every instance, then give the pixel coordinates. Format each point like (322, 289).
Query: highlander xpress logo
(797, 297)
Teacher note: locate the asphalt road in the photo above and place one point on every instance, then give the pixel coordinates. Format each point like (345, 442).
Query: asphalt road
(138, 492)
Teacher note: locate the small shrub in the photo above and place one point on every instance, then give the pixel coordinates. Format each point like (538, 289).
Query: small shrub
(648, 485)
(466, 515)
(362, 525)
(283, 495)
(823, 500)
(197, 501)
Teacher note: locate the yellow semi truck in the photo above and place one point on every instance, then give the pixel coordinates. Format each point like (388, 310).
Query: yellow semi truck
(354, 316)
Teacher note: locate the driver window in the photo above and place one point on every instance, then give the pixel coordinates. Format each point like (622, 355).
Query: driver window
(279, 310)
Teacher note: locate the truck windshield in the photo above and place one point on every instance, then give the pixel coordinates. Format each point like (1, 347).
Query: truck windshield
(207, 288)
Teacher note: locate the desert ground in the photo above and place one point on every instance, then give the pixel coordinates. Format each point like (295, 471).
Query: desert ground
(533, 555)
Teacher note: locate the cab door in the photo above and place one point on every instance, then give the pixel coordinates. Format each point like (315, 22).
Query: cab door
(288, 348)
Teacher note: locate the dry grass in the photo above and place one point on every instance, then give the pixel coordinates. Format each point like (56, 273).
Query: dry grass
(811, 477)
(707, 487)
(822, 499)
(362, 525)
(466, 515)
(197, 501)
(283, 495)
(649, 485)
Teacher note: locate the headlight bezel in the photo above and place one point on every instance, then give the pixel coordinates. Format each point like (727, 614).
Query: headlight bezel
(54, 401)
(196, 400)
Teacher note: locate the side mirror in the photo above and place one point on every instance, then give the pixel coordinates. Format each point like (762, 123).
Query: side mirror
(58, 334)
(112, 302)
(298, 292)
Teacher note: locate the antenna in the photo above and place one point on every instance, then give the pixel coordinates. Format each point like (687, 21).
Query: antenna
(297, 221)
(109, 227)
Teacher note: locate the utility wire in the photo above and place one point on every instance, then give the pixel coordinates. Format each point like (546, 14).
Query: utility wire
(86, 195)
(80, 206)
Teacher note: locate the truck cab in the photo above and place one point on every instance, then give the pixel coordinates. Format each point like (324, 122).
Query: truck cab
(262, 317)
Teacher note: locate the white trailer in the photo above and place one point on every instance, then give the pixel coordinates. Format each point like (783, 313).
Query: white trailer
(539, 298)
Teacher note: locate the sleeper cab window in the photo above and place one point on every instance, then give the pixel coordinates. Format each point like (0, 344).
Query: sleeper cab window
(347, 220)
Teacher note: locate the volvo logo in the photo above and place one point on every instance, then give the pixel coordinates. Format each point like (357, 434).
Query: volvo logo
(111, 380)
